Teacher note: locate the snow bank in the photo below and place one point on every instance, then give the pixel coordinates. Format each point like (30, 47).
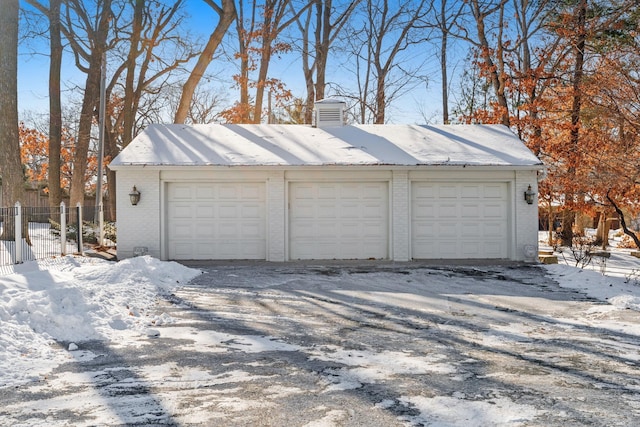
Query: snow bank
(76, 299)
(622, 293)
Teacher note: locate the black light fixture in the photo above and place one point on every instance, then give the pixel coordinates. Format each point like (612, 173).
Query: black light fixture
(134, 196)
(529, 195)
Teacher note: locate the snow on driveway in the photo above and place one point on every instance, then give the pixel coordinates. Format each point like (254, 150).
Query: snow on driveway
(85, 342)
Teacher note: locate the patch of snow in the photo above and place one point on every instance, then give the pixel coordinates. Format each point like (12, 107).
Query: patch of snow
(49, 309)
(444, 411)
(287, 145)
(75, 299)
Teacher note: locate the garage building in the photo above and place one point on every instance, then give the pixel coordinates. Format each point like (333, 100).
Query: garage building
(329, 191)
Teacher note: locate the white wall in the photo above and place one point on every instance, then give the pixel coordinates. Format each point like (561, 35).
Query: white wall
(141, 225)
(138, 226)
(526, 216)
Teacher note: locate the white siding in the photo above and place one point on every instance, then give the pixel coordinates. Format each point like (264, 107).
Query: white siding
(525, 216)
(400, 231)
(368, 215)
(138, 226)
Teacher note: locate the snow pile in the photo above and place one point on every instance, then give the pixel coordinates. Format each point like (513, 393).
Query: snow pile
(76, 299)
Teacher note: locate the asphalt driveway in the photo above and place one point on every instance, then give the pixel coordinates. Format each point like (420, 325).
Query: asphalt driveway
(357, 344)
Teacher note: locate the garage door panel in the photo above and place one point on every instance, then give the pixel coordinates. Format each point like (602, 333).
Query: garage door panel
(447, 192)
(181, 211)
(471, 249)
(205, 229)
(251, 192)
(494, 211)
(448, 249)
(204, 211)
(251, 231)
(471, 229)
(180, 192)
(354, 192)
(373, 229)
(446, 210)
(338, 220)
(495, 229)
(467, 220)
(251, 211)
(493, 192)
(203, 192)
(469, 210)
(323, 211)
(325, 192)
(215, 221)
(471, 191)
(323, 229)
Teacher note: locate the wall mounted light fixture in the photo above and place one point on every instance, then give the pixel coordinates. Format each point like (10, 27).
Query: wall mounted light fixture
(529, 195)
(134, 196)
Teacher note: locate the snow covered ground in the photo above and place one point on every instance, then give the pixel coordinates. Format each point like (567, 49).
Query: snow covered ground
(144, 342)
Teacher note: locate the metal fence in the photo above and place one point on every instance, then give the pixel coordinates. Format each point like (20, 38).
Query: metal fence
(31, 233)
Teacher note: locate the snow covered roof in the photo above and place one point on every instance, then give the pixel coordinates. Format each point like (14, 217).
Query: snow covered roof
(297, 145)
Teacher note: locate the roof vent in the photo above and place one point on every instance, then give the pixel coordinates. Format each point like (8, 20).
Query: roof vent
(329, 112)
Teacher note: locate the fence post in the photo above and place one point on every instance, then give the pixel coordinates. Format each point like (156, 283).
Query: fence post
(18, 233)
(101, 223)
(79, 229)
(63, 229)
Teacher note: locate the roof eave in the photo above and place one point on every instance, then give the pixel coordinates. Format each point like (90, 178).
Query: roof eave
(150, 166)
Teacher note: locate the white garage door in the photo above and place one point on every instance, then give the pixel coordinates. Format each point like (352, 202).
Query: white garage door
(459, 220)
(338, 220)
(216, 221)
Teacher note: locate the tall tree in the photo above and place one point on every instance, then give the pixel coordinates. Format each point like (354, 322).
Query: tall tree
(55, 106)
(446, 19)
(576, 109)
(152, 54)
(89, 53)
(493, 57)
(226, 11)
(377, 39)
(258, 30)
(10, 165)
(319, 28)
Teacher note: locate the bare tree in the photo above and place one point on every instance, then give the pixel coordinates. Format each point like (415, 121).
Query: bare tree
(319, 27)
(226, 11)
(446, 20)
(10, 165)
(55, 106)
(496, 69)
(376, 41)
(88, 39)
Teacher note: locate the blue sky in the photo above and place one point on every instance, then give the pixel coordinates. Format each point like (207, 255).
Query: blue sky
(411, 108)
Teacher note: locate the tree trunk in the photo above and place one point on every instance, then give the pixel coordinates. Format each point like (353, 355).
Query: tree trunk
(623, 222)
(83, 140)
(566, 236)
(381, 100)
(323, 40)
(89, 105)
(130, 101)
(265, 59)
(445, 84)
(10, 164)
(496, 71)
(55, 107)
(574, 139)
(227, 14)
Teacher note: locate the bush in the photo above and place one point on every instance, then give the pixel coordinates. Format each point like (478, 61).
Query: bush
(627, 242)
(89, 231)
